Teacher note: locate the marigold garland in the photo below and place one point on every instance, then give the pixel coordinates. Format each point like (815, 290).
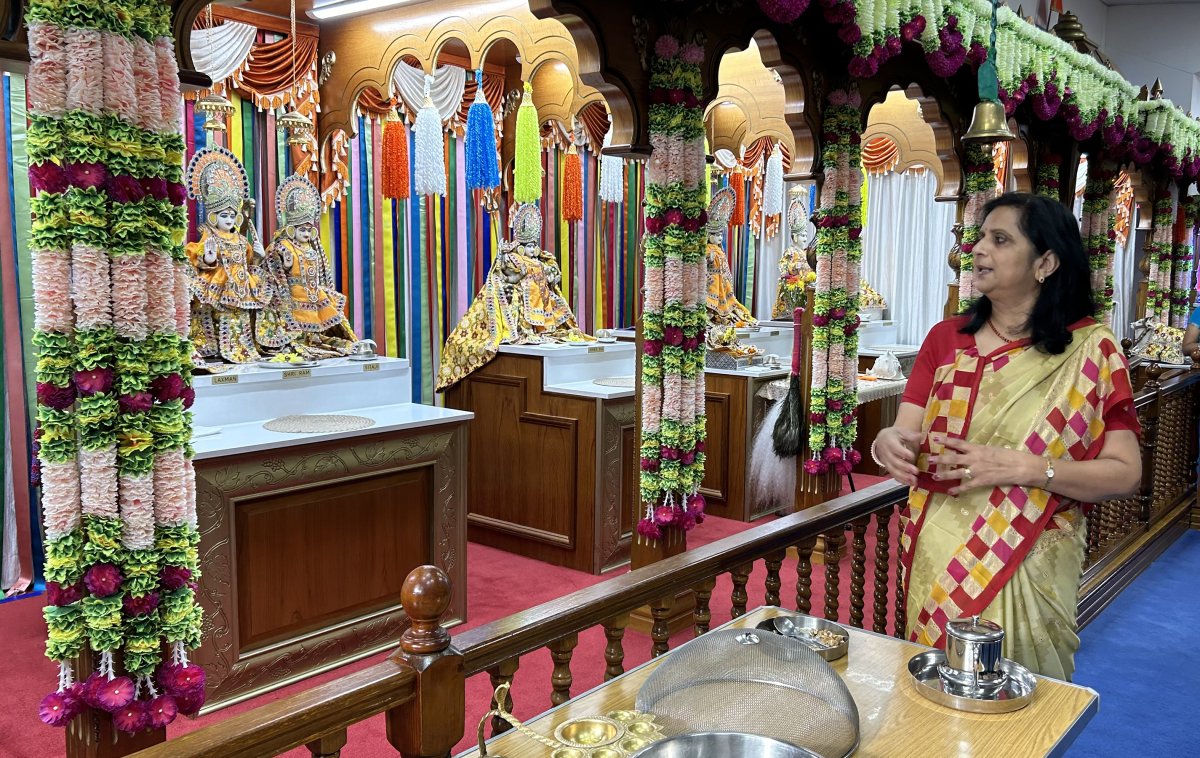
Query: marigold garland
(572, 189)
(111, 319)
(674, 317)
(833, 402)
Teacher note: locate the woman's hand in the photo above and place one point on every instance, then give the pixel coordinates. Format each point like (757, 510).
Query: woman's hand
(984, 465)
(896, 449)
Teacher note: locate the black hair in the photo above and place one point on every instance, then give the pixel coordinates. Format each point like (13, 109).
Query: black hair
(1066, 295)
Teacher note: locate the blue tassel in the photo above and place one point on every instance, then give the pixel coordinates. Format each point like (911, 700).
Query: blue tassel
(483, 169)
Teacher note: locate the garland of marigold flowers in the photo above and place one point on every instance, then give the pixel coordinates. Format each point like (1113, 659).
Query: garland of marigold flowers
(834, 392)
(1181, 293)
(111, 317)
(1099, 232)
(1049, 174)
(674, 316)
(1158, 251)
(981, 187)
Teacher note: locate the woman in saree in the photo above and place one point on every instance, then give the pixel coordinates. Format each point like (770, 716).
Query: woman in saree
(1018, 415)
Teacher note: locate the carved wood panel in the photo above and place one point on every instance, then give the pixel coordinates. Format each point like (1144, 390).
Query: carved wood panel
(727, 408)
(327, 636)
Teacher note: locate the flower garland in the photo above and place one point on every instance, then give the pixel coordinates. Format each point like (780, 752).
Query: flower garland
(1049, 172)
(1099, 231)
(112, 375)
(1158, 251)
(981, 187)
(1057, 80)
(1181, 292)
(674, 316)
(834, 393)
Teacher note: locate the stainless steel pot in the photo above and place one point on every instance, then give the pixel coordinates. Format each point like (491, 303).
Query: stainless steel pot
(722, 745)
(973, 654)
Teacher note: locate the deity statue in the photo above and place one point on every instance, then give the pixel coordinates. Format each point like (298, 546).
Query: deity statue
(228, 285)
(724, 310)
(521, 303)
(794, 272)
(309, 314)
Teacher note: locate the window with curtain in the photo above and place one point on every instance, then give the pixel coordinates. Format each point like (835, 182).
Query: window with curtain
(905, 241)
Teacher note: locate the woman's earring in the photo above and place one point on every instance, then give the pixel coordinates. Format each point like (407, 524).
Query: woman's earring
(1041, 280)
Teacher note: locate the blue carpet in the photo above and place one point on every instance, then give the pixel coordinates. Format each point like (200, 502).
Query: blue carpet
(1141, 655)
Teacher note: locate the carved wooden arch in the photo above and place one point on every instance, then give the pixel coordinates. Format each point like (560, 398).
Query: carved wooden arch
(943, 124)
(578, 95)
(628, 113)
(722, 135)
(796, 84)
(910, 153)
(747, 84)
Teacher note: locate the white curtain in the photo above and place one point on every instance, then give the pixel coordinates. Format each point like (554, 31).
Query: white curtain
(449, 82)
(218, 51)
(1125, 279)
(905, 242)
(766, 270)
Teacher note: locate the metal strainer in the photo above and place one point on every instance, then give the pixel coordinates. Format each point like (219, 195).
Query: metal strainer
(754, 682)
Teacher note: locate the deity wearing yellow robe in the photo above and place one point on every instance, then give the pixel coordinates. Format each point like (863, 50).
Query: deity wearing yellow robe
(794, 272)
(228, 285)
(520, 304)
(724, 309)
(312, 313)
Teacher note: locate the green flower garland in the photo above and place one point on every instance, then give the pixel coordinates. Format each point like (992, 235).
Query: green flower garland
(981, 187)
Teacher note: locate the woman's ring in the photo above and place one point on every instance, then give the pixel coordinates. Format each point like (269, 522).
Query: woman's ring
(967, 473)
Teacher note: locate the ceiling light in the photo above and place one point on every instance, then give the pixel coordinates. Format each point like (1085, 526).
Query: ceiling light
(348, 7)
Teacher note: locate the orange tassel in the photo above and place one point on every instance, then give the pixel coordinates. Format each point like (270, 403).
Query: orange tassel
(395, 159)
(572, 201)
(738, 182)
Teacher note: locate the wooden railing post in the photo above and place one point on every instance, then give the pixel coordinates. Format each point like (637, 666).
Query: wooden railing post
(432, 722)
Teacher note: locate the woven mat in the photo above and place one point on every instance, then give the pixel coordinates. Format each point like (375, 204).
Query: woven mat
(324, 423)
(615, 381)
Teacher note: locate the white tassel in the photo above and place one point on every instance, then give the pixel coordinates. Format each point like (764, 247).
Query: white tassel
(429, 177)
(612, 175)
(773, 191)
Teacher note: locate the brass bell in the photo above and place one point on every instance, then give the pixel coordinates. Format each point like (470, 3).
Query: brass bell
(216, 108)
(988, 124)
(298, 127)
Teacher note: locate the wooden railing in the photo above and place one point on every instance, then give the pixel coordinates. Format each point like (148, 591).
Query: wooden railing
(422, 692)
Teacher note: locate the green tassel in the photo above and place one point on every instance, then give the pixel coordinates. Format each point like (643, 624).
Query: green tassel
(527, 167)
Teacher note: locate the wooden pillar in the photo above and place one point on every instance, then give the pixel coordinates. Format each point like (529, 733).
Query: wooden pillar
(429, 725)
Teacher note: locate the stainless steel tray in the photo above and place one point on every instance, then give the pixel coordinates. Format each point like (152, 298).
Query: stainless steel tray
(1015, 695)
(723, 745)
(795, 627)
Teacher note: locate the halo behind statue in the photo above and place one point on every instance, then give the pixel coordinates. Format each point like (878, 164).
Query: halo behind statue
(527, 224)
(720, 210)
(217, 180)
(798, 220)
(297, 202)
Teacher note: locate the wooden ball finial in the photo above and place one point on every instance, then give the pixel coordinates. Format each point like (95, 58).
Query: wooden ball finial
(425, 597)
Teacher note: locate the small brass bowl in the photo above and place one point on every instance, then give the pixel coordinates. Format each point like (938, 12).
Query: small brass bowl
(626, 716)
(642, 728)
(633, 744)
(589, 732)
(608, 752)
(568, 752)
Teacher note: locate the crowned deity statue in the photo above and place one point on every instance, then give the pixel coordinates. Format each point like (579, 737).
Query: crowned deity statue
(309, 313)
(794, 272)
(228, 285)
(724, 310)
(521, 303)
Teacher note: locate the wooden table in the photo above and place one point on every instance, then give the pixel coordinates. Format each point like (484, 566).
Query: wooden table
(895, 721)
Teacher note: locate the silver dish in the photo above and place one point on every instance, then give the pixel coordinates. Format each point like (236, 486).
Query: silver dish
(1015, 694)
(801, 628)
(722, 745)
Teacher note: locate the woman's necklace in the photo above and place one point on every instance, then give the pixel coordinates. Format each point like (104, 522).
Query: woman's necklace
(1000, 336)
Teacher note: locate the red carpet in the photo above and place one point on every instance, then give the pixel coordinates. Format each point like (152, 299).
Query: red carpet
(499, 584)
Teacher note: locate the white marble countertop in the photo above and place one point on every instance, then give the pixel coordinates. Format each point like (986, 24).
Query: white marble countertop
(589, 388)
(897, 350)
(756, 372)
(252, 373)
(561, 349)
(250, 436)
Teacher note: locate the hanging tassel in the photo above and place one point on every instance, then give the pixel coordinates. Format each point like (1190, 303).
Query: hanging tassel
(790, 428)
(738, 182)
(483, 168)
(395, 157)
(527, 164)
(430, 176)
(612, 175)
(773, 190)
(572, 200)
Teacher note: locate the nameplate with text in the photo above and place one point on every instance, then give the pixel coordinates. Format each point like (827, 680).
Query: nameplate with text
(225, 379)
(297, 373)
(370, 367)
(596, 349)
